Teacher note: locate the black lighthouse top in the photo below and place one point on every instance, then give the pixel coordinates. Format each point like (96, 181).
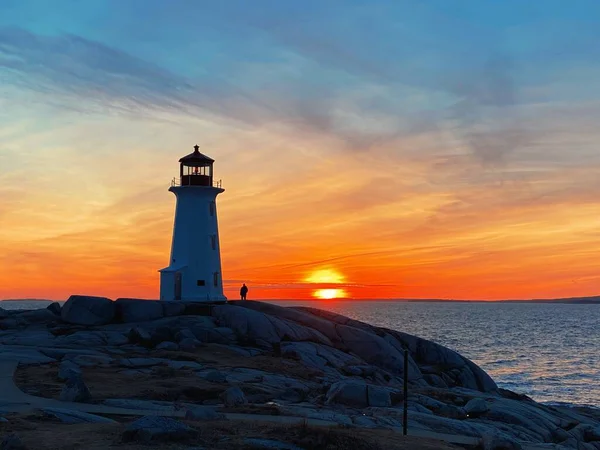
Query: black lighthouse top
(196, 169)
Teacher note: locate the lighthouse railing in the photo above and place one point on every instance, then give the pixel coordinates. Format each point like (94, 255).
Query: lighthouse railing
(177, 182)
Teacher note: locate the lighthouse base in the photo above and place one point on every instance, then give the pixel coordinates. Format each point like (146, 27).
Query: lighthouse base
(177, 285)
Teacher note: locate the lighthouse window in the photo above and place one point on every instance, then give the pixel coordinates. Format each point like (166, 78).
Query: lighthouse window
(213, 241)
(211, 207)
(200, 283)
(216, 279)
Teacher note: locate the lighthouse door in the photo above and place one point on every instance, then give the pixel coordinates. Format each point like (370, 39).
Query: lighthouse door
(177, 285)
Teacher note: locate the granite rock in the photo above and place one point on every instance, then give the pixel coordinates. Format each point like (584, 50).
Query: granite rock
(87, 310)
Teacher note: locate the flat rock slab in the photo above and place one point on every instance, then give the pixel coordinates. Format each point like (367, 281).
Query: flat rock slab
(147, 405)
(70, 416)
(24, 356)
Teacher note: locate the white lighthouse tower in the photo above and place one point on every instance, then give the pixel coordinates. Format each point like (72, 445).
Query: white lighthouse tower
(194, 272)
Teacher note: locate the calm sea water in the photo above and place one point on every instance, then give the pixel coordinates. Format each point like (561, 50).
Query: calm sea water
(550, 352)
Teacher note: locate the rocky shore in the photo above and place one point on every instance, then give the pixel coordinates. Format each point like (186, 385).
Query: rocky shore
(97, 373)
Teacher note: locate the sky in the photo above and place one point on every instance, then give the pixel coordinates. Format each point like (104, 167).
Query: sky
(381, 149)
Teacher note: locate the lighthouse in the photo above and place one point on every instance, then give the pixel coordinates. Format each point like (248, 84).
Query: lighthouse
(194, 271)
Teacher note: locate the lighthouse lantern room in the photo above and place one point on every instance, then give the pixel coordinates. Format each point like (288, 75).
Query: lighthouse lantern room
(194, 271)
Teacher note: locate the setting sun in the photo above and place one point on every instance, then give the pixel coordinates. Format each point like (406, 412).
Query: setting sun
(328, 294)
(326, 277)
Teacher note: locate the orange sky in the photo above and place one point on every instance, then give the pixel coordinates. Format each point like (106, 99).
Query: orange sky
(87, 218)
(456, 168)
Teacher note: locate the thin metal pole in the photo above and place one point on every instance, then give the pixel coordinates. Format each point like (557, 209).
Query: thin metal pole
(405, 412)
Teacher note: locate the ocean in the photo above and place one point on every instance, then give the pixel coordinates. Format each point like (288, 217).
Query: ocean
(550, 352)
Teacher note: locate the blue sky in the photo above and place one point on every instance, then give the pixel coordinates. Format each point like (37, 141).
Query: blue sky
(431, 118)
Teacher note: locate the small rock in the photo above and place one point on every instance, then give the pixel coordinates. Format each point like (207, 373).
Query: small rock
(189, 344)
(12, 442)
(54, 308)
(155, 428)
(216, 377)
(234, 397)
(167, 345)
(71, 416)
(75, 390)
(139, 336)
(476, 407)
(68, 369)
(203, 413)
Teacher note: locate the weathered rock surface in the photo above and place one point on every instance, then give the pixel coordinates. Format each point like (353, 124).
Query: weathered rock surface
(12, 441)
(250, 324)
(360, 394)
(87, 310)
(75, 390)
(129, 310)
(257, 443)
(70, 416)
(68, 369)
(155, 428)
(54, 308)
(476, 407)
(301, 362)
(234, 396)
(203, 413)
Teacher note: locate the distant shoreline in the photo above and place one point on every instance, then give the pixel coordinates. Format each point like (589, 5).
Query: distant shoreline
(595, 300)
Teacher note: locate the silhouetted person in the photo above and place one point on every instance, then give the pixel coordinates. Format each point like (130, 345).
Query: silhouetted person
(244, 291)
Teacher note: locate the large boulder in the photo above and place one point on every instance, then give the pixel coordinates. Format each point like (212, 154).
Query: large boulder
(87, 310)
(138, 310)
